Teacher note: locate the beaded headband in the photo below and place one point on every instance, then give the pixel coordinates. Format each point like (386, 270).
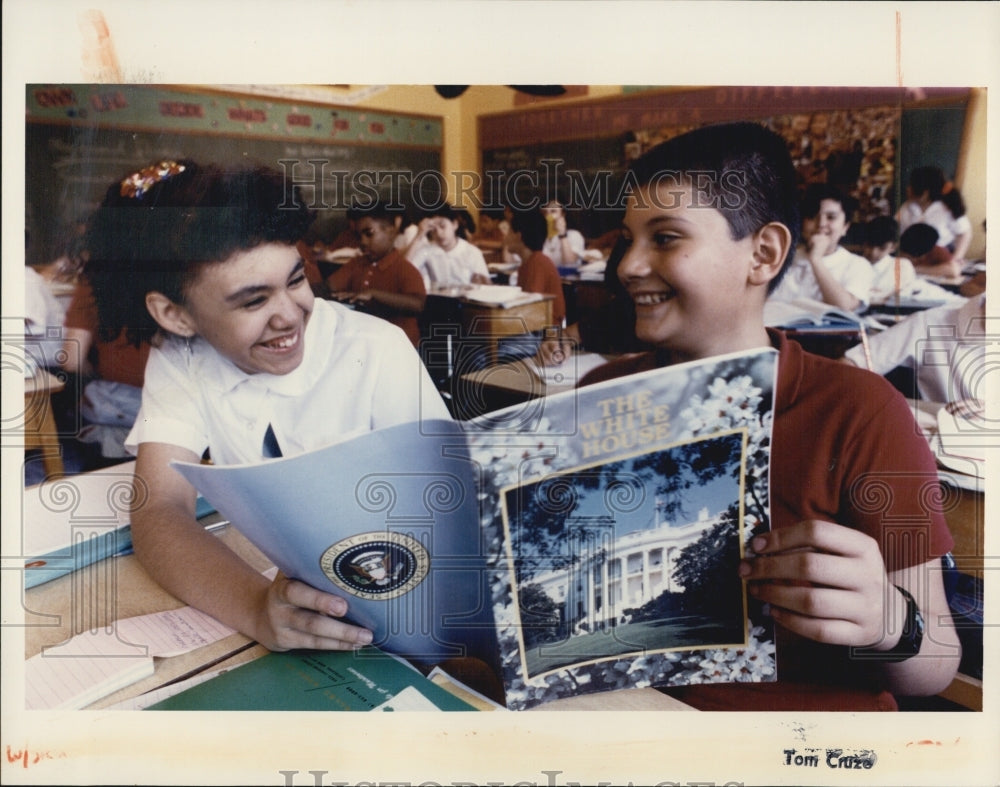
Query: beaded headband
(138, 183)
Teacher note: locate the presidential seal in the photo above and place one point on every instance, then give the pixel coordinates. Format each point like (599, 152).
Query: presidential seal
(379, 565)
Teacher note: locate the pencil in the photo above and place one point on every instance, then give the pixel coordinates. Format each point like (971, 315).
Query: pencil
(864, 344)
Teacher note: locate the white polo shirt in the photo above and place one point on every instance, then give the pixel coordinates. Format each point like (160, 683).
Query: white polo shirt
(455, 266)
(553, 248)
(358, 373)
(937, 215)
(853, 272)
(884, 277)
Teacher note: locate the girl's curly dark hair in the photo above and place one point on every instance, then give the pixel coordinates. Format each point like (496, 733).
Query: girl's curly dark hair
(156, 228)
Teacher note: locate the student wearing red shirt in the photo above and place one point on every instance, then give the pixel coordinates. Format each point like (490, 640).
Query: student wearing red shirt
(380, 280)
(851, 568)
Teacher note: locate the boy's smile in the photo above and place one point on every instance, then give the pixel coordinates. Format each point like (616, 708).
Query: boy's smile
(688, 278)
(253, 308)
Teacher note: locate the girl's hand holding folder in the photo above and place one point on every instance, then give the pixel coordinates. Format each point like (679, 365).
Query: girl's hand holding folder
(296, 615)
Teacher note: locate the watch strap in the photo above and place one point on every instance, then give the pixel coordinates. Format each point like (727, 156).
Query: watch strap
(910, 639)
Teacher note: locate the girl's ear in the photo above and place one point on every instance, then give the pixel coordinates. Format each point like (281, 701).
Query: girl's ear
(170, 316)
(771, 245)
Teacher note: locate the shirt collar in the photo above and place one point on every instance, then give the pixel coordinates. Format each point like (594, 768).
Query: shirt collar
(789, 370)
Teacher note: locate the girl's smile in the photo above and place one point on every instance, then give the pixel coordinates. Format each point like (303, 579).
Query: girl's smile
(253, 308)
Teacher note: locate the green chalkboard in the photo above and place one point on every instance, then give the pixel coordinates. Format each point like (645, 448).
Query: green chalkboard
(586, 175)
(930, 135)
(68, 168)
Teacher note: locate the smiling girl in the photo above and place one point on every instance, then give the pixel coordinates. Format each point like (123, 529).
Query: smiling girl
(245, 364)
(823, 269)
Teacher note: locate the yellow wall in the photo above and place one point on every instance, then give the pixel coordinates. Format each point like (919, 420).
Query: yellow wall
(970, 176)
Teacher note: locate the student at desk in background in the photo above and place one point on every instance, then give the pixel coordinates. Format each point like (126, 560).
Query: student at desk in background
(245, 364)
(535, 274)
(114, 367)
(493, 227)
(931, 199)
(564, 246)
(892, 276)
(442, 254)
(823, 270)
(609, 329)
(860, 606)
(380, 280)
(919, 244)
(43, 316)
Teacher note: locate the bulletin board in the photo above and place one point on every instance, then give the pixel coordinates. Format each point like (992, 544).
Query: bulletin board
(79, 139)
(853, 136)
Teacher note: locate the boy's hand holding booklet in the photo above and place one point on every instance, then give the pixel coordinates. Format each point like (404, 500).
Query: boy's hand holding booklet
(582, 542)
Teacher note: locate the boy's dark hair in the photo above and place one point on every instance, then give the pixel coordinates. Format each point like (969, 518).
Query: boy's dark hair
(447, 211)
(815, 193)
(532, 226)
(380, 211)
(158, 227)
(918, 239)
(881, 230)
(743, 170)
(929, 179)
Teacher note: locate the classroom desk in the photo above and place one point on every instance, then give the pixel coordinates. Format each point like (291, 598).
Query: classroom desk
(584, 297)
(516, 382)
(118, 587)
(39, 423)
(975, 284)
(494, 321)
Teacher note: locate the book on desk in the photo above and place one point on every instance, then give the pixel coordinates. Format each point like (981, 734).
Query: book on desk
(72, 521)
(363, 680)
(808, 315)
(500, 295)
(456, 539)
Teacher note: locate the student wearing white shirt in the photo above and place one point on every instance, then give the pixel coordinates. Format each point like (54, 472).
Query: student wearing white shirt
(891, 276)
(563, 246)
(441, 253)
(43, 321)
(246, 363)
(932, 200)
(823, 270)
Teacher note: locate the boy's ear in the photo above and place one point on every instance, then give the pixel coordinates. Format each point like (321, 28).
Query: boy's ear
(170, 316)
(771, 245)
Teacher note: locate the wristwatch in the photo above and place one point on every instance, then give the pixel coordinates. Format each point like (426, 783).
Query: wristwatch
(909, 641)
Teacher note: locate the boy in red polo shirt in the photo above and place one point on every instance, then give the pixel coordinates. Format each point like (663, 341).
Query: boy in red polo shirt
(380, 280)
(851, 567)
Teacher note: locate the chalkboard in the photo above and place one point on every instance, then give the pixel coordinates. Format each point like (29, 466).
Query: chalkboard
(69, 167)
(586, 175)
(930, 135)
